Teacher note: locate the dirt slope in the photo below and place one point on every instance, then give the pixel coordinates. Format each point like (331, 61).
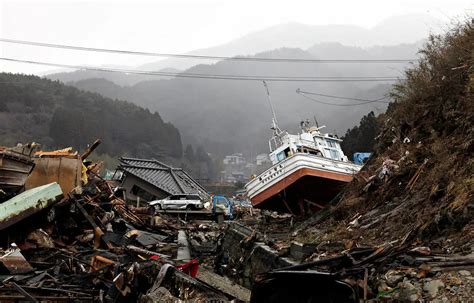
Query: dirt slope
(418, 187)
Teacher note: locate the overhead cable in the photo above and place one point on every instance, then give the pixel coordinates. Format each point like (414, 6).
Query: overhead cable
(299, 91)
(338, 104)
(201, 57)
(209, 76)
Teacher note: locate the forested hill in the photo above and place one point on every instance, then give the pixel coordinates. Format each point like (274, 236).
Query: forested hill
(56, 116)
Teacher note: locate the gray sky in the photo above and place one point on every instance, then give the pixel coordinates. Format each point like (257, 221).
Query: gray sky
(177, 26)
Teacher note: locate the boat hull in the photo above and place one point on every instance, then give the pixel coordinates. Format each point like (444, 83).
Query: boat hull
(300, 184)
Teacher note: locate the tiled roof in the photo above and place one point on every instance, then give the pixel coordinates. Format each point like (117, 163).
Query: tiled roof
(169, 179)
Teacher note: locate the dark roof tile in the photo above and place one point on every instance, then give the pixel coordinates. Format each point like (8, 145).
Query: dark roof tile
(166, 178)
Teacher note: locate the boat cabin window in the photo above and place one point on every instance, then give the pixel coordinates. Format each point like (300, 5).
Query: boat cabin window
(281, 155)
(332, 143)
(335, 154)
(320, 142)
(284, 154)
(309, 151)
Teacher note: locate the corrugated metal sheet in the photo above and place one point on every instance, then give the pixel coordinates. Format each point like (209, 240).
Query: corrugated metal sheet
(169, 179)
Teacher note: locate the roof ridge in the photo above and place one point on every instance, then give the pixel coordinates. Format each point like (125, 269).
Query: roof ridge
(161, 163)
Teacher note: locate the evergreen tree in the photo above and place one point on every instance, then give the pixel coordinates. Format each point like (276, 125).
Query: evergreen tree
(189, 153)
(361, 138)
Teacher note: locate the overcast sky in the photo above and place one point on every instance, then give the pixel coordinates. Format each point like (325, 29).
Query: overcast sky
(177, 26)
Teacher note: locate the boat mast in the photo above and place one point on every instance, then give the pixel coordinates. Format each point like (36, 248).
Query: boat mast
(275, 128)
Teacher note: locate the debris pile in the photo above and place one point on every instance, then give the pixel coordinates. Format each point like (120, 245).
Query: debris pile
(86, 244)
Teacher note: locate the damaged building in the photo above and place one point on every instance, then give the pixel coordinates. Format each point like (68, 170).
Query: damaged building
(150, 179)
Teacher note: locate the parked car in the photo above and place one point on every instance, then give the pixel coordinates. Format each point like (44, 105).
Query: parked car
(243, 203)
(181, 201)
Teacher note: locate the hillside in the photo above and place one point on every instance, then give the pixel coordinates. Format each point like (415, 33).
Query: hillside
(217, 113)
(57, 116)
(418, 188)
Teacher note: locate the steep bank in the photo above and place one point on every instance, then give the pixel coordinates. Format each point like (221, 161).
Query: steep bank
(419, 185)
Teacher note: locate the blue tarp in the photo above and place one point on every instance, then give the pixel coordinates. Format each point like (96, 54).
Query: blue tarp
(360, 158)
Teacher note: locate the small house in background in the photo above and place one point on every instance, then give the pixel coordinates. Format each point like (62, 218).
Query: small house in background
(151, 180)
(263, 160)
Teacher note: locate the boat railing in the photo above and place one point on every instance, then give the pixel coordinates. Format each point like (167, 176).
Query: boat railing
(276, 141)
(325, 161)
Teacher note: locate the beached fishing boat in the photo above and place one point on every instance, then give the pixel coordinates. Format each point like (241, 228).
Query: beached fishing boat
(308, 170)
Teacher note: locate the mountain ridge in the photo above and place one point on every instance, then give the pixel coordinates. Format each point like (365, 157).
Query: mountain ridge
(290, 35)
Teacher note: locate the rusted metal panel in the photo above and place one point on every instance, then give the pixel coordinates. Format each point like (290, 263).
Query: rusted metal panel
(15, 263)
(66, 171)
(28, 203)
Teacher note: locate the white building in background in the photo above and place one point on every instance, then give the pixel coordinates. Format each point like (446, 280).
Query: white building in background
(262, 159)
(234, 159)
(234, 168)
(238, 169)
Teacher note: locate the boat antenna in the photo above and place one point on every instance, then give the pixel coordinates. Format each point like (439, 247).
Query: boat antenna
(316, 121)
(275, 127)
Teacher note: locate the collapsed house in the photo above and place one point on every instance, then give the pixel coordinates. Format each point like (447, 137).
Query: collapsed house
(149, 180)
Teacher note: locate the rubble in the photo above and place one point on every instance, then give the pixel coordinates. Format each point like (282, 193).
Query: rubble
(70, 257)
(91, 246)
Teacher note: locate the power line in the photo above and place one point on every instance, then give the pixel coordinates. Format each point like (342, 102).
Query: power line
(201, 57)
(335, 104)
(299, 91)
(210, 76)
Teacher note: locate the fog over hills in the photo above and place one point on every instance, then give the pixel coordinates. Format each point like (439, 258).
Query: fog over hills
(408, 28)
(232, 116)
(121, 79)
(392, 31)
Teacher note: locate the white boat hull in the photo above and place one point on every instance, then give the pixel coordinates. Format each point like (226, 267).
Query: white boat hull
(300, 182)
